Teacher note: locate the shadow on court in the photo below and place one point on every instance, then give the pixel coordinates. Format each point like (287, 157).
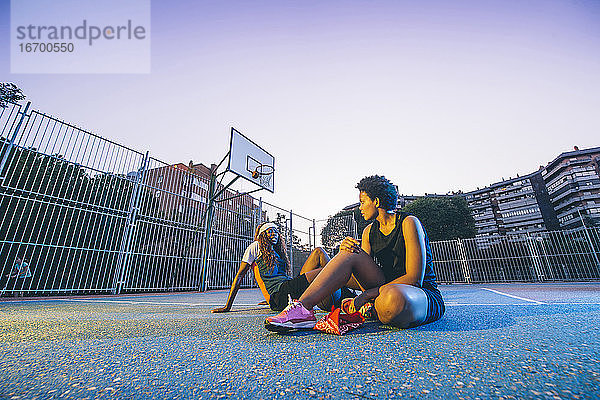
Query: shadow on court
(495, 341)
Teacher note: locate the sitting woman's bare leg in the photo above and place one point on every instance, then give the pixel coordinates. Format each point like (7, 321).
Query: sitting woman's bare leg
(401, 305)
(318, 258)
(338, 272)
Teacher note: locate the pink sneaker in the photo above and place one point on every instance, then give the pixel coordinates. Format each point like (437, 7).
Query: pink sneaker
(294, 316)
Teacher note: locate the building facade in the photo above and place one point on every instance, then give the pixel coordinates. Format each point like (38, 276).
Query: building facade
(573, 182)
(565, 194)
(182, 193)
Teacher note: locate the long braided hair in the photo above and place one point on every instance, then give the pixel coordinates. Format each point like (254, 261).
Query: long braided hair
(267, 248)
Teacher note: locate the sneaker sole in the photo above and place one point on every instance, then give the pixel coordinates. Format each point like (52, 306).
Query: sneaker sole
(288, 326)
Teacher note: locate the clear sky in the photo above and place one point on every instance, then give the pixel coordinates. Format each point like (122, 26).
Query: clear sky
(436, 95)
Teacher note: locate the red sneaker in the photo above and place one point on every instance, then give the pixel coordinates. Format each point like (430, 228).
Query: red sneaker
(366, 310)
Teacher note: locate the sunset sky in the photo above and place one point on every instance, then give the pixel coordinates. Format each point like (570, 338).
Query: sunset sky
(435, 95)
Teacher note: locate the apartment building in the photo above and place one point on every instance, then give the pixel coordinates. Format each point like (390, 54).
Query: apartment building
(562, 195)
(514, 206)
(182, 192)
(573, 182)
(565, 194)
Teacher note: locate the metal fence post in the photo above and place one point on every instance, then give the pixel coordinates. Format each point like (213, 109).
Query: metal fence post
(464, 265)
(122, 269)
(314, 234)
(254, 220)
(545, 257)
(208, 230)
(290, 242)
(587, 235)
(535, 258)
(11, 142)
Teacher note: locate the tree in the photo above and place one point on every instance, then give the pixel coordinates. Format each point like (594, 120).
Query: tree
(10, 92)
(342, 224)
(444, 218)
(68, 224)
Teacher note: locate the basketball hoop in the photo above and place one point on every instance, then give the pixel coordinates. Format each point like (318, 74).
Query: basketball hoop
(263, 173)
(262, 170)
(249, 161)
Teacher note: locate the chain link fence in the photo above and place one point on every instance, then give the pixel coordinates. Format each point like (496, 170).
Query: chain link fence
(82, 214)
(545, 256)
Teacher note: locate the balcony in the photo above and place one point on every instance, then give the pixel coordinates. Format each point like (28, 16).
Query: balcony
(567, 180)
(487, 229)
(479, 225)
(519, 220)
(546, 174)
(582, 191)
(567, 203)
(480, 206)
(524, 203)
(571, 191)
(511, 195)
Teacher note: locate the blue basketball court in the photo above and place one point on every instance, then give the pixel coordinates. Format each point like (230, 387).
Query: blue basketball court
(495, 341)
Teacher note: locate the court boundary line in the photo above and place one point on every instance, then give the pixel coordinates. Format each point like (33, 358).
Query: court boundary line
(158, 303)
(252, 305)
(513, 296)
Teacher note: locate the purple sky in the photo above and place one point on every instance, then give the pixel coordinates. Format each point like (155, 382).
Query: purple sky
(436, 95)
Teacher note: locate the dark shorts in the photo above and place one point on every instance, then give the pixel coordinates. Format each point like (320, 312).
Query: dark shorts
(293, 287)
(435, 304)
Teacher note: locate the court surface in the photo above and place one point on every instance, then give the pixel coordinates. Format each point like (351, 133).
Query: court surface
(495, 341)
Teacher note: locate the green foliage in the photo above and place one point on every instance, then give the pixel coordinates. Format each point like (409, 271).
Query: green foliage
(444, 218)
(67, 223)
(10, 92)
(336, 229)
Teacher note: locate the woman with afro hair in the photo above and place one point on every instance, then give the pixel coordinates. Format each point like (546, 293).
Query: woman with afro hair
(268, 259)
(392, 263)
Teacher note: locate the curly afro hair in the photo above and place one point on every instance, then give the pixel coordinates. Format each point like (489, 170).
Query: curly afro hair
(378, 187)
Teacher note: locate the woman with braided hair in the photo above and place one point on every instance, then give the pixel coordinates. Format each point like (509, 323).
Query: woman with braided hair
(268, 259)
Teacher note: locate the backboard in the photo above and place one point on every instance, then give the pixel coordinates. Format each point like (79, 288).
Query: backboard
(251, 162)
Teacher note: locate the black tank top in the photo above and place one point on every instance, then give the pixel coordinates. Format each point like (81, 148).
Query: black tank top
(389, 252)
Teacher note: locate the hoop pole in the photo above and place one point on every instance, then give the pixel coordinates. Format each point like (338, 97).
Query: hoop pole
(238, 195)
(225, 187)
(218, 165)
(210, 210)
(290, 244)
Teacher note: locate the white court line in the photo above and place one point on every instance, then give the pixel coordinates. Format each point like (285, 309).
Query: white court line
(158, 303)
(519, 304)
(488, 304)
(448, 304)
(514, 297)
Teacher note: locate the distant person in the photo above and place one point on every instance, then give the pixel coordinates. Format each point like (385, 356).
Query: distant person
(268, 259)
(19, 270)
(392, 263)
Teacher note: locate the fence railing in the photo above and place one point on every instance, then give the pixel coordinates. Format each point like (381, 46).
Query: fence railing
(538, 257)
(546, 256)
(82, 214)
